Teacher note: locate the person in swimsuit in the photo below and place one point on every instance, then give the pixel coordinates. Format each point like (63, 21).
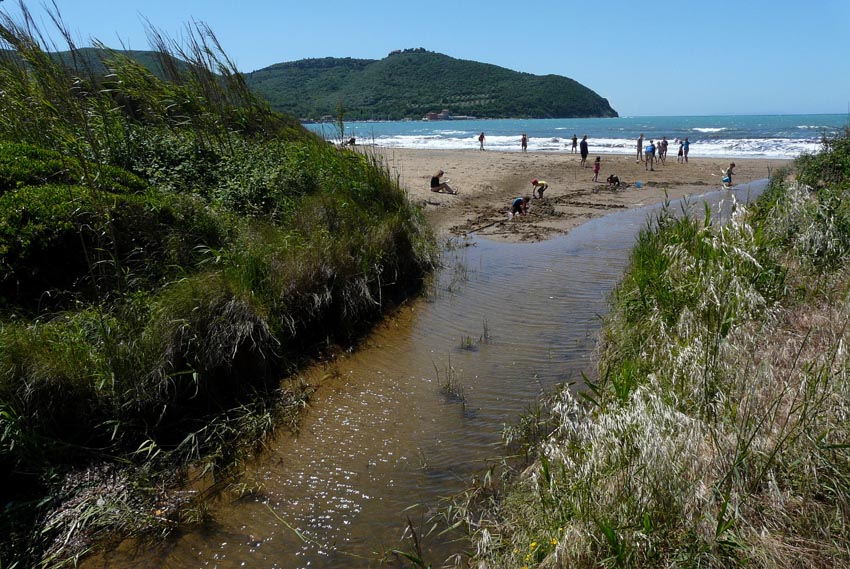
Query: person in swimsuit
(687, 148)
(727, 175)
(438, 186)
(613, 181)
(575, 145)
(481, 141)
(539, 187)
(583, 147)
(680, 158)
(649, 155)
(639, 148)
(596, 166)
(524, 143)
(519, 207)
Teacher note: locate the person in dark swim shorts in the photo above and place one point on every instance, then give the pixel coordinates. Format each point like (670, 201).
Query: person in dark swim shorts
(519, 207)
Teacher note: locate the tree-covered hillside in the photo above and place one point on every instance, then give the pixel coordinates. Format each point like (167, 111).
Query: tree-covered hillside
(412, 83)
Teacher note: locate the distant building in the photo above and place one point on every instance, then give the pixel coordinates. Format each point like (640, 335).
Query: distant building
(445, 116)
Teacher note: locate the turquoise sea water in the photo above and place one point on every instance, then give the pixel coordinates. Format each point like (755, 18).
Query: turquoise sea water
(743, 136)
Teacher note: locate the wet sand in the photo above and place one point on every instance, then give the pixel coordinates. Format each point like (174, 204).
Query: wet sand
(489, 181)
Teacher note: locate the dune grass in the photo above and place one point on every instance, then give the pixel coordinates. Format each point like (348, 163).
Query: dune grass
(717, 432)
(169, 250)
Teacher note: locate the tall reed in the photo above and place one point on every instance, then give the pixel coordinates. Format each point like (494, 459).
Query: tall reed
(169, 249)
(716, 434)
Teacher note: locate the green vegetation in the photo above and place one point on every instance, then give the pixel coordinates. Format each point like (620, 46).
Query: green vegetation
(412, 83)
(169, 249)
(717, 433)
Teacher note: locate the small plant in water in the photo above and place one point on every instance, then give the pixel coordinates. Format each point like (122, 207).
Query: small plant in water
(451, 387)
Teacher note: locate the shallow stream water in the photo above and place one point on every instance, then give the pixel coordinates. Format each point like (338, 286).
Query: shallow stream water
(382, 441)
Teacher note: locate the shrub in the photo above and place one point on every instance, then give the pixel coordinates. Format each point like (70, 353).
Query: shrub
(57, 241)
(27, 165)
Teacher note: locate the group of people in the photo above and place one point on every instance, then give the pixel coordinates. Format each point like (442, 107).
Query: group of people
(653, 153)
(656, 153)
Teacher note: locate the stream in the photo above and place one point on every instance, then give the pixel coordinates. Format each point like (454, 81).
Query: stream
(383, 439)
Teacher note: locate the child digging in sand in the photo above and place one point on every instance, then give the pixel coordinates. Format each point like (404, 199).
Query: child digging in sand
(519, 207)
(539, 187)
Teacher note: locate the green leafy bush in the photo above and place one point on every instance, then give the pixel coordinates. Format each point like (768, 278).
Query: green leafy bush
(57, 241)
(27, 165)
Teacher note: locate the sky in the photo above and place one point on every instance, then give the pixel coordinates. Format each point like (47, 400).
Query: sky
(664, 58)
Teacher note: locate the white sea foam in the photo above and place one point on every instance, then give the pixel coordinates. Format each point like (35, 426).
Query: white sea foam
(721, 136)
(734, 147)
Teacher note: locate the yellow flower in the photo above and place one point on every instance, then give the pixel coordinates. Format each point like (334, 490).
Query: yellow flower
(533, 545)
(554, 541)
(516, 550)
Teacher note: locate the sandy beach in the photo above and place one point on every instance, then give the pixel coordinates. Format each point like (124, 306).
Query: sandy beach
(488, 181)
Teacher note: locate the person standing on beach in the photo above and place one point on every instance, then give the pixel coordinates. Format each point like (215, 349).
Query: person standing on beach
(680, 158)
(687, 148)
(596, 166)
(639, 148)
(524, 142)
(649, 154)
(481, 141)
(575, 145)
(727, 175)
(583, 147)
(663, 153)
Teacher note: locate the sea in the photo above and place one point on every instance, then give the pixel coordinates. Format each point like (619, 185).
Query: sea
(736, 136)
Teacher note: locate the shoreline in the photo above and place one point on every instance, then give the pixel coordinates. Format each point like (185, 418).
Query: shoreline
(487, 182)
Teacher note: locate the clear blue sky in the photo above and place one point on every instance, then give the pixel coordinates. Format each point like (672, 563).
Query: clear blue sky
(677, 57)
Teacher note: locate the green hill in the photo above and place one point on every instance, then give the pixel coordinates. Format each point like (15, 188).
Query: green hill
(405, 84)
(411, 83)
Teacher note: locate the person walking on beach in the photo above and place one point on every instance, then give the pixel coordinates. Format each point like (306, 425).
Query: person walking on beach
(639, 148)
(649, 154)
(596, 166)
(524, 142)
(680, 158)
(438, 186)
(481, 141)
(583, 147)
(539, 187)
(519, 207)
(687, 148)
(575, 145)
(727, 175)
(663, 153)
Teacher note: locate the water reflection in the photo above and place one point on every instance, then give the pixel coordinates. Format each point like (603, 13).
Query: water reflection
(502, 324)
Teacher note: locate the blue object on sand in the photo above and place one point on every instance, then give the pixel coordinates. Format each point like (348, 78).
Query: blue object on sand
(639, 184)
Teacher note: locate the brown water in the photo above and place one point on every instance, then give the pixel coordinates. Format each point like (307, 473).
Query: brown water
(381, 441)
